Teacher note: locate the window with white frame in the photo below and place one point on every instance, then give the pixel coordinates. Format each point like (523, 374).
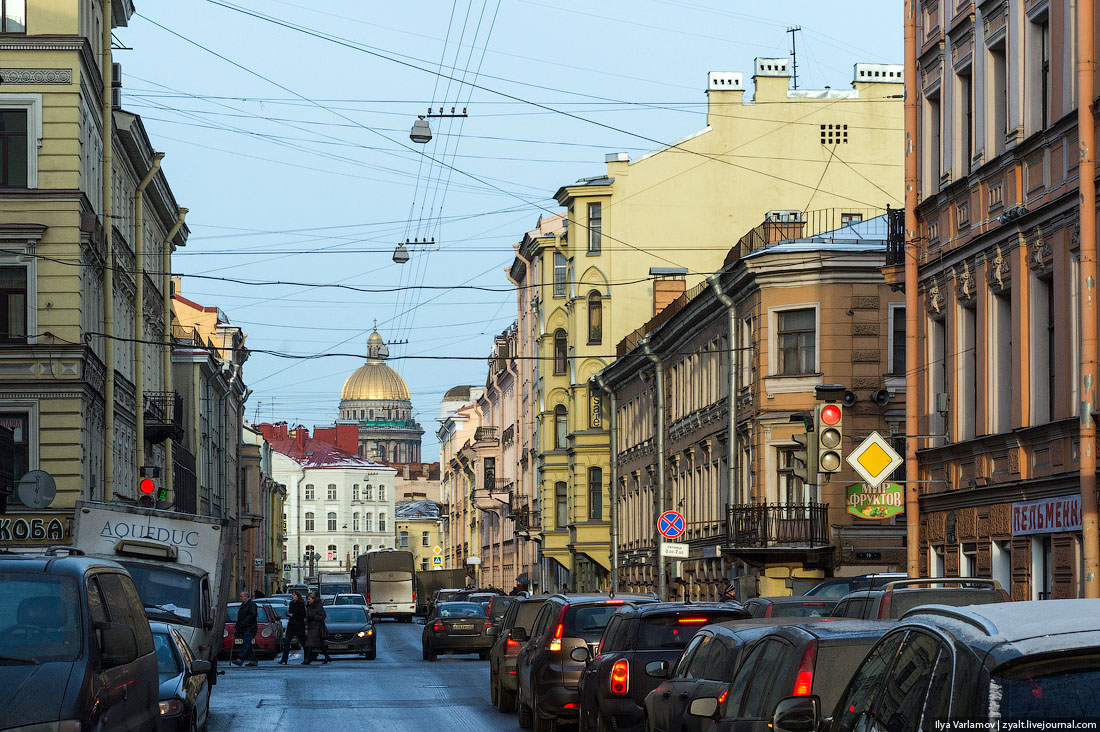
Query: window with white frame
(368, 521)
(332, 491)
(403, 540)
(381, 522)
(355, 521)
(331, 520)
(561, 272)
(310, 521)
(425, 538)
(595, 228)
(355, 492)
(368, 492)
(381, 492)
(796, 342)
(13, 304)
(309, 492)
(15, 16)
(20, 138)
(333, 553)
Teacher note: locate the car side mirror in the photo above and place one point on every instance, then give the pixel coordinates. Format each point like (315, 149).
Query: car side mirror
(580, 653)
(117, 644)
(492, 630)
(200, 667)
(797, 714)
(706, 706)
(657, 669)
(518, 634)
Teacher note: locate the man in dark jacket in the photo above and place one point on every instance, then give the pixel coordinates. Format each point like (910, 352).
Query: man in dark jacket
(246, 630)
(295, 625)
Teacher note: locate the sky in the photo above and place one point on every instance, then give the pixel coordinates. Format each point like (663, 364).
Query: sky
(286, 131)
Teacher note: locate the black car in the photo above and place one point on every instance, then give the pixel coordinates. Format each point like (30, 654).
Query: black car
(614, 684)
(73, 636)
(789, 660)
(894, 599)
(797, 606)
(547, 674)
(1010, 661)
(350, 631)
(705, 668)
(457, 627)
(498, 606)
(184, 692)
(840, 586)
(519, 618)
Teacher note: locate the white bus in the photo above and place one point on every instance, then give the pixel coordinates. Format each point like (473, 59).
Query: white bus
(386, 578)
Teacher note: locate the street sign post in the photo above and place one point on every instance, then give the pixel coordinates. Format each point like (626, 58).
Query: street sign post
(874, 459)
(437, 561)
(671, 524)
(676, 551)
(288, 567)
(437, 549)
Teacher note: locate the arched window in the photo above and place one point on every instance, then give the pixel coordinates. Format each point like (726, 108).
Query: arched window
(332, 553)
(355, 550)
(332, 491)
(381, 495)
(368, 521)
(355, 524)
(381, 452)
(561, 427)
(309, 492)
(310, 549)
(381, 522)
(595, 318)
(309, 521)
(355, 492)
(561, 352)
(368, 493)
(332, 521)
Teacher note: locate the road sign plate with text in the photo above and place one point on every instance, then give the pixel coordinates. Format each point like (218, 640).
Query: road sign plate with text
(676, 551)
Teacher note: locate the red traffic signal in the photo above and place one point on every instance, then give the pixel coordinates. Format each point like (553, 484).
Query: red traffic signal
(831, 414)
(147, 486)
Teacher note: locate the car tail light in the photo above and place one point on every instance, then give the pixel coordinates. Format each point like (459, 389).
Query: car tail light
(414, 597)
(368, 598)
(620, 677)
(693, 621)
(804, 682)
(569, 705)
(884, 608)
(437, 625)
(488, 624)
(555, 641)
(511, 644)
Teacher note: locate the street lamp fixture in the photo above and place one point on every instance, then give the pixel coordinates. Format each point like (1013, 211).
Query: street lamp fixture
(401, 254)
(421, 132)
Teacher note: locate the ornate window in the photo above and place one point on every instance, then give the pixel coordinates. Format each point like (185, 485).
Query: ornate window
(595, 318)
(561, 427)
(561, 352)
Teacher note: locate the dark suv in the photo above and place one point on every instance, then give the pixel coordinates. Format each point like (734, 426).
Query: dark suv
(547, 674)
(794, 661)
(75, 645)
(894, 599)
(614, 684)
(1008, 661)
(517, 623)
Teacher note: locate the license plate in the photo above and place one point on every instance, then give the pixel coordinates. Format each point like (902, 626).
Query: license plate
(238, 641)
(462, 627)
(337, 646)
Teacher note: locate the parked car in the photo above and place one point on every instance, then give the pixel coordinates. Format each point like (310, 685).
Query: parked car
(457, 627)
(498, 606)
(444, 595)
(184, 690)
(797, 606)
(705, 668)
(512, 632)
(285, 596)
(894, 599)
(345, 598)
(73, 633)
(789, 661)
(467, 593)
(269, 631)
(1007, 661)
(614, 684)
(482, 598)
(840, 586)
(350, 630)
(547, 675)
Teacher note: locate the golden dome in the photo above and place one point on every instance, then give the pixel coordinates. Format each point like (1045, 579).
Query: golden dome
(374, 380)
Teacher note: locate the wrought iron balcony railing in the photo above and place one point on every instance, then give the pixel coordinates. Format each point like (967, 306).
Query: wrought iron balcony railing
(163, 416)
(762, 525)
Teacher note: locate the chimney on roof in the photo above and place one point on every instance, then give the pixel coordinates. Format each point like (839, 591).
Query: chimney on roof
(407, 471)
(771, 79)
(300, 434)
(724, 88)
(669, 284)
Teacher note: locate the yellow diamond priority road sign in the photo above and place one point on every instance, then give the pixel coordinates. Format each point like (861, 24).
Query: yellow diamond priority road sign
(874, 459)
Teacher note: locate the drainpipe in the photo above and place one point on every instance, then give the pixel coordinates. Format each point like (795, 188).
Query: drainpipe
(912, 303)
(520, 291)
(107, 112)
(166, 294)
(1086, 130)
(613, 487)
(733, 489)
(659, 386)
(139, 304)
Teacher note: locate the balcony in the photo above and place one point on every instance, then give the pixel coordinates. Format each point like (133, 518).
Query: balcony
(163, 416)
(487, 434)
(778, 526)
(894, 270)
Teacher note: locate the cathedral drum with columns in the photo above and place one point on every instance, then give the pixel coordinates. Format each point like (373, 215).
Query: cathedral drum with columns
(377, 399)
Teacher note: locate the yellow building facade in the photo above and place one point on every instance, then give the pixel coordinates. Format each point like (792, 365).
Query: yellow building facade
(636, 237)
(82, 257)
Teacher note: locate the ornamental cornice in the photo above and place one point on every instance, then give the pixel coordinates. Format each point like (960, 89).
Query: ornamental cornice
(35, 76)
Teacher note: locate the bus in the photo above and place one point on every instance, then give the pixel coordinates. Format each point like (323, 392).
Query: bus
(386, 578)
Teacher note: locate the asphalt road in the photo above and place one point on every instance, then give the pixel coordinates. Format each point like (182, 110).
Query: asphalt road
(395, 692)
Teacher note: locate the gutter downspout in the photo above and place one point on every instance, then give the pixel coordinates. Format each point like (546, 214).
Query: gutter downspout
(613, 487)
(166, 294)
(527, 562)
(1086, 130)
(912, 303)
(139, 304)
(733, 490)
(107, 112)
(659, 402)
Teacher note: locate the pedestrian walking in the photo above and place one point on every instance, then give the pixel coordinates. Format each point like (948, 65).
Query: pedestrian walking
(295, 625)
(316, 633)
(245, 629)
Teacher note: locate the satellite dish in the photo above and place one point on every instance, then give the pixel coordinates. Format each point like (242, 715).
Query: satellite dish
(36, 489)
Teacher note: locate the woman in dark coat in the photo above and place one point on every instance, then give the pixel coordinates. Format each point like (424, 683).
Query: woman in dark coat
(315, 630)
(295, 624)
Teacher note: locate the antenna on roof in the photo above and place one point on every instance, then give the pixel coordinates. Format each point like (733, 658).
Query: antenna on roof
(794, 54)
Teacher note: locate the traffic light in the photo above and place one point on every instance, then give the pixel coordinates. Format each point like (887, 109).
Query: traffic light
(829, 420)
(804, 459)
(148, 489)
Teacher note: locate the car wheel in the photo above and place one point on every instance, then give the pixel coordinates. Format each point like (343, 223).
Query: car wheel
(206, 717)
(430, 654)
(484, 655)
(494, 689)
(542, 724)
(526, 716)
(506, 699)
(371, 654)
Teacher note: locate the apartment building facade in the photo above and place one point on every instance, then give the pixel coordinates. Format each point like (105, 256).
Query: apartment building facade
(999, 272)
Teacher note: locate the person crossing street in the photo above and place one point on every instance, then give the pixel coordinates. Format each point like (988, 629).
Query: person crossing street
(295, 625)
(246, 629)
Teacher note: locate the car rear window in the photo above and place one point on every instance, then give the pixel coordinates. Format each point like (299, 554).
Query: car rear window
(801, 610)
(231, 613)
(1063, 689)
(498, 606)
(40, 617)
(836, 663)
(525, 616)
(905, 600)
(588, 621)
(674, 631)
(445, 595)
(461, 610)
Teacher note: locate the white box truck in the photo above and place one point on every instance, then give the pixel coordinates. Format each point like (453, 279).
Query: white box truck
(180, 562)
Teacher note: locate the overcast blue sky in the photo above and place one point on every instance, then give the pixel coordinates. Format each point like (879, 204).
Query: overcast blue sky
(292, 152)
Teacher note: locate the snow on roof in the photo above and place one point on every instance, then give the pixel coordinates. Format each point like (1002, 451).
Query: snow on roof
(862, 236)
(314, 453)
(420, 509)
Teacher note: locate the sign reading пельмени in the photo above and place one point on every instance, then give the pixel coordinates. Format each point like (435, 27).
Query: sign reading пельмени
(1046, 515)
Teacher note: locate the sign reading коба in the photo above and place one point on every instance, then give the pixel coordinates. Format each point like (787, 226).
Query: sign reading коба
(1046, 515)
